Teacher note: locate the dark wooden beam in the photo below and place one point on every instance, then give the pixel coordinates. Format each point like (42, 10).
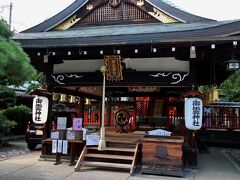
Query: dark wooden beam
(75, 93)
(130, 78)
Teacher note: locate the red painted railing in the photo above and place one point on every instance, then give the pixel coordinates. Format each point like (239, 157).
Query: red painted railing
(221, 121)
(140, 116)
(210, 121)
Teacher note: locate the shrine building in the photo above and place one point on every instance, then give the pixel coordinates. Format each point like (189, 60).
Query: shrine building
(155, 56)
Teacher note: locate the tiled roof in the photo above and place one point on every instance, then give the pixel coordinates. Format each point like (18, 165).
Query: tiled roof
(176, 12)
(129, 34)
(78, 4)
(58, 18)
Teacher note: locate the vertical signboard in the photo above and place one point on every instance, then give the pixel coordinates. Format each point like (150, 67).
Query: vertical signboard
(40, 110)
(193, 108)
(114, 68)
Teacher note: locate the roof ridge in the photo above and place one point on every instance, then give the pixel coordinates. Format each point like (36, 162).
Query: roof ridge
(103, 30)
(172, 4)
(177, 12)
(161, 5)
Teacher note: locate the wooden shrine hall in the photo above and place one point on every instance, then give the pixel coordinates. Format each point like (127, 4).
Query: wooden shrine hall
(155, 56)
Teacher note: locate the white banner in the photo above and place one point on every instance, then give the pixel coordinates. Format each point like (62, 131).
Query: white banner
(65, 147)
(40, 110)
(193, 113)
(59, 146)
(54, 146)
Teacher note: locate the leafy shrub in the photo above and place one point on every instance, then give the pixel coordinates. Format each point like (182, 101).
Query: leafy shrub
(20, 115)
(7, 97)
(5, 125)
(17, 112)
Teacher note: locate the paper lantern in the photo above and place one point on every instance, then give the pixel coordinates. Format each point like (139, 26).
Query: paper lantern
(40, 110)
(193, 113)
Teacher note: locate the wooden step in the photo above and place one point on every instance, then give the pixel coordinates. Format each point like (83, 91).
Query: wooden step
(109, 156)
(114, 149)
(108, 165)
(122, 141)
(97, 159)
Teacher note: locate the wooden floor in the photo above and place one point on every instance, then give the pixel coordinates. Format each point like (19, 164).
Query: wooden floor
(134, 137)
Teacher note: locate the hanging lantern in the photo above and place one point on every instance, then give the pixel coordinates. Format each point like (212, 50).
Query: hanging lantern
(232, 64)
(206, 98)
(40, 109)
(54, 97)
(87, 101)
(215, 94)
(193, 113)
(72, 99)
(63, 98)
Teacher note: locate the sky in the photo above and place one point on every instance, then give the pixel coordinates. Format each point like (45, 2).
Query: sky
(27, 13)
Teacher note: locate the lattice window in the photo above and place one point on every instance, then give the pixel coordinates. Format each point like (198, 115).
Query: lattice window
(107, 13)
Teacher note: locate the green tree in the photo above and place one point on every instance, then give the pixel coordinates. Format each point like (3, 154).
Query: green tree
(15, 67)
(231, 87)
(36, 82)
(5, 125)
(7, 97)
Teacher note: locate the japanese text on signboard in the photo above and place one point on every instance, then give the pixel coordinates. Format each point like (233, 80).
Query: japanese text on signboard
(114, 68)
(196, 112)
(38, 109)
(193, 113)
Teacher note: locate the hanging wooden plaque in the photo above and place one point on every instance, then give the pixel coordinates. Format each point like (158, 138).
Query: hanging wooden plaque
(114, 68)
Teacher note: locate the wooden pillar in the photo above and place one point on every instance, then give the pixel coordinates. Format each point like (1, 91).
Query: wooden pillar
(82, 107)
(48, 70)
(135, 114)
(109, 111)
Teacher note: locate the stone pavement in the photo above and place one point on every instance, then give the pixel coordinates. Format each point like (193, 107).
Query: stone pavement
(213, 166)
(15, 147)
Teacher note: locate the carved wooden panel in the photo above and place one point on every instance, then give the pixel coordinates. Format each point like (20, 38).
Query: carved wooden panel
(123, 12)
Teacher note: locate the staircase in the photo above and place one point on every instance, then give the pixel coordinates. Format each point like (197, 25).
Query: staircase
(120, 153)
(110, 158)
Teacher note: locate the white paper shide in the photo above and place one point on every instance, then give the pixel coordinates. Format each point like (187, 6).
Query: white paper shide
(193, 108)
(40, 109)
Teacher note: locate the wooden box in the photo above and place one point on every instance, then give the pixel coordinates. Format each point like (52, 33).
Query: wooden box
(162, 150)
(74, 135)
(58, 134)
